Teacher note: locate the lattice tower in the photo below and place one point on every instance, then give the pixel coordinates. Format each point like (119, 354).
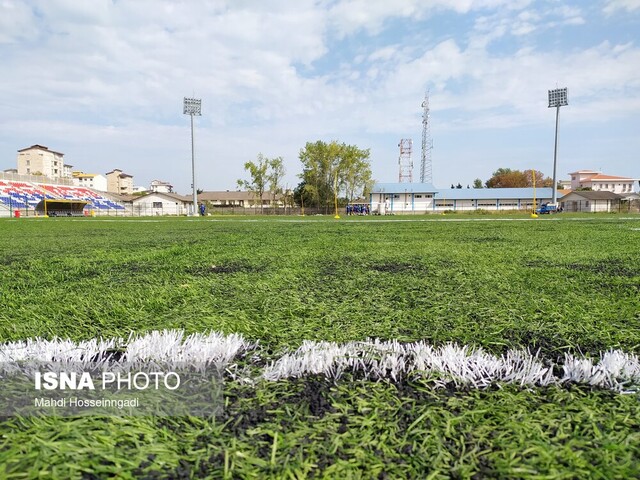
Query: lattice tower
(405, 163)
(426, 164)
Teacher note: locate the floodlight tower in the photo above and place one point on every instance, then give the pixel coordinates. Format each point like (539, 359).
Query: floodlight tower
(191, 108)
(405, 164)
(557, 98)
(426, 165)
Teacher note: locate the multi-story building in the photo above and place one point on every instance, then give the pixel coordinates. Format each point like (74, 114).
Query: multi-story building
(598, 182)
(119, 182)
(39, 160)
(90, 180)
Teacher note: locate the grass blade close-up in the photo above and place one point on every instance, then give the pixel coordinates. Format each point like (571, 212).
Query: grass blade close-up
(422, 347)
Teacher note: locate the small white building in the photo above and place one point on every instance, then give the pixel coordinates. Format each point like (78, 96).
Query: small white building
(94, 181)
(599, 182)
(590, 201)
(161, 204)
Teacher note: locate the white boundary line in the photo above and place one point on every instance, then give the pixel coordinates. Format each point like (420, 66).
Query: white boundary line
(374, 359)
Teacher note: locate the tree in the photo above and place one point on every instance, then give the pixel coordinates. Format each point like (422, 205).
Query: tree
(477, 183)
(302, 194)
(259, 178)
(355, 171)
(507, 178)
(275, 176)
(331, 169)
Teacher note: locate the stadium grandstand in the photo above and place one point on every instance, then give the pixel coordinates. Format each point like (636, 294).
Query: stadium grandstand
(29, 198)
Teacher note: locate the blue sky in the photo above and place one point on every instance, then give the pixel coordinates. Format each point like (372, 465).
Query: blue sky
(103, 81)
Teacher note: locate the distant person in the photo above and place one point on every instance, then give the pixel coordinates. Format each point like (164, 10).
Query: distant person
(202, 209)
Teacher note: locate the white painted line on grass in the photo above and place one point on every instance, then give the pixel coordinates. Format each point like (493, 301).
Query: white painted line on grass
(373, 359)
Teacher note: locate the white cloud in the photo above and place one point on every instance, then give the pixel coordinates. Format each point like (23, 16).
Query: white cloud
(349, 16)
(613, 6)
(16, 22)
(106, 83)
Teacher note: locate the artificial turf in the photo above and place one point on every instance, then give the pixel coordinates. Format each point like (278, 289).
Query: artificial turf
(557, 285)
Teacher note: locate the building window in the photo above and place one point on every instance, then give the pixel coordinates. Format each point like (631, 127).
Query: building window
(157, 204)
(418, 196)
(28, 162)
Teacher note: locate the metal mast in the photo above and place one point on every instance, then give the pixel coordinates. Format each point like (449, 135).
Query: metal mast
(191, 107)
(557, 98)
(426, 165)
(405, 164)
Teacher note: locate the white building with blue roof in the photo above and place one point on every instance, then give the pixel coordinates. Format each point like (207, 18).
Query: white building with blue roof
(396, 198)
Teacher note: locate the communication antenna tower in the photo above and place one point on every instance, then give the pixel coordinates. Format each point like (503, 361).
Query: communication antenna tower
(405, 163)
(426, 165)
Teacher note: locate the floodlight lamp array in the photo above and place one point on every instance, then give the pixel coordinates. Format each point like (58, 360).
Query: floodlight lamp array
(558, 97)
(192, 106)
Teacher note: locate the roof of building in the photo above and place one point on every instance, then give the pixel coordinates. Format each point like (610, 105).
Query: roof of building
(228, 195)
(463, 193)
(404, 187)
(121, 174)
(584, 171)
(591, 195)
(84, 175)
(172, 196)
(493, 193)
(601, 177)
(40, 147)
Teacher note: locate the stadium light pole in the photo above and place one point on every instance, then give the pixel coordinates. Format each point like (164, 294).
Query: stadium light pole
(192, 106)
(557, 98)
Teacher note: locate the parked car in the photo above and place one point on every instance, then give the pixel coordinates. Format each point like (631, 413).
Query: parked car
(547, 208)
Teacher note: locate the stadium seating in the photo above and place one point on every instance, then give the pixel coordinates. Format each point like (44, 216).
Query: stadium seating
(28, 195)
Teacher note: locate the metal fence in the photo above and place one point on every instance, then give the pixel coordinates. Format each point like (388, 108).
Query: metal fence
(631, 206)
(14, 177)
(602, 206)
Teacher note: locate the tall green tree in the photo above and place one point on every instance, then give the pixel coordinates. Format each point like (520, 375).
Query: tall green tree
(477, 183)
(355, 172)
(258, 171)
(303, 194)
(334, 169)
(275, 176)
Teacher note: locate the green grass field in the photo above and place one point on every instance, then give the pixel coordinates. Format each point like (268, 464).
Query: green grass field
(558, 285)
